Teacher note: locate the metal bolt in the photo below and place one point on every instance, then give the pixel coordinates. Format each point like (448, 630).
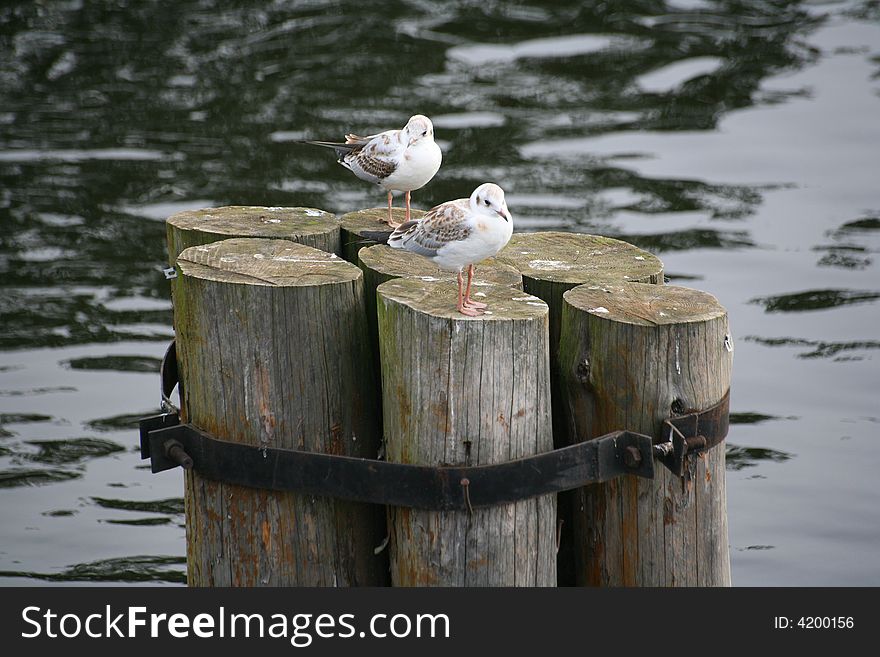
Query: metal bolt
(695, 443)
(175, 452)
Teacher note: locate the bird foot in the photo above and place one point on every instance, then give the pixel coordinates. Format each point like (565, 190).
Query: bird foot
(470, 303)
(470, 312)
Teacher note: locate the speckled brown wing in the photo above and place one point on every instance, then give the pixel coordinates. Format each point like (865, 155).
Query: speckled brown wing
(373, 158)
(439, 227)
(369, 167)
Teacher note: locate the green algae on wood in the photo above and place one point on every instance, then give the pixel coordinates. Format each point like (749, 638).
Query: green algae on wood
(463, 390)
(630, 355)
(552, 263)
(386, 263)
(353, 225)
(309, 226)
(381, 263)
(273, 352)
(576, 258)
(265, 262)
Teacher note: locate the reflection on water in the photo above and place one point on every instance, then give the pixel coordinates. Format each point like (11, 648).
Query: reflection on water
(59, 452)
(749, 457)
(817, 349)
(116, 363)
(814, 300)
(117, 422)
(738, 139)
(129, 570)
(171, 506)
(12, 477)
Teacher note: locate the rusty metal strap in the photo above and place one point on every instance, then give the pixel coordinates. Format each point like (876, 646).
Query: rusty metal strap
(692, 432)
(168, 444)
(444, 488)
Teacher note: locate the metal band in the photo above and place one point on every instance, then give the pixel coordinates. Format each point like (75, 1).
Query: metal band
(397, 484)
(693, 432)
(169, 444)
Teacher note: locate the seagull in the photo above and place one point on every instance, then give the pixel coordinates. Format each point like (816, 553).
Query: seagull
(396, 160)
(458, 233)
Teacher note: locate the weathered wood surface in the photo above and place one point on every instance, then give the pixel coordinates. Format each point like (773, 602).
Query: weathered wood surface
(273, 352)
(551, 263)
(381, 263)
(354, 224)
(466, 391)
(309, 226)
(630, 355)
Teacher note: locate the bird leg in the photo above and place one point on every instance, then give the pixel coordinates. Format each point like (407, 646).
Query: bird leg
(406, 196)
(462, 308)
(468, 302)
(391, 221)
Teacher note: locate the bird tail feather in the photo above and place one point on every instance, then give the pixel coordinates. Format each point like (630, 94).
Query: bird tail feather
(377, 236)
(341, 149)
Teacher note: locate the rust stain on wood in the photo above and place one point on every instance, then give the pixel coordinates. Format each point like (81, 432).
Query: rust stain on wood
(439, 411)
(630, 530)
(477, 564)
(267, 535)
(336, 445)
(404, 408)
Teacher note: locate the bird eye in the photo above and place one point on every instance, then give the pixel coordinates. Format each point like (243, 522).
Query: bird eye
(486, 201)
(425, 133)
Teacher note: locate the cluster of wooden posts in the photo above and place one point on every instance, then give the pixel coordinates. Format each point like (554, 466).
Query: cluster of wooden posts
(292, 332)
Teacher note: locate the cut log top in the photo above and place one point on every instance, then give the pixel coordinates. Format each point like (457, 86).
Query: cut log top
(579, 258)
(390, 263)
(274, 263)
(255, 221)
(374, 219)
(439, 299)
(354, 224)
(645, 305)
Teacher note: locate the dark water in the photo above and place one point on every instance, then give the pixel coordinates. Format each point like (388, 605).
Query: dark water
(738, 140)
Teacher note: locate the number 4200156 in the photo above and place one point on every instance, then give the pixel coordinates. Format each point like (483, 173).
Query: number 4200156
(814, 623)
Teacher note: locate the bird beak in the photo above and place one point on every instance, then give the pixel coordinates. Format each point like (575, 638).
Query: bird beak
(505, 213)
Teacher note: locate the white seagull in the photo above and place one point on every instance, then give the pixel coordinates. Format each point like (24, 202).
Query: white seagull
(458, 233)
(396, 160)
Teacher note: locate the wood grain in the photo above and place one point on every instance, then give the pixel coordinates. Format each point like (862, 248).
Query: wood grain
(272, 348)
(551, 263)
(466, 391)
(354, 224)
(309, 226)
(630, 355)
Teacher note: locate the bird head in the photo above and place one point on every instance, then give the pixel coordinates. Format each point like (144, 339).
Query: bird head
(418, 128)
(488, 199)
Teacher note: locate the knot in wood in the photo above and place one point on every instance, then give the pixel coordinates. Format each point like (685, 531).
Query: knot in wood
(583, 371)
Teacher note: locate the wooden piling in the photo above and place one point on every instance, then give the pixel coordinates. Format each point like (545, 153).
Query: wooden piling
(353, 225)
(309, 226)
(273, 352)
(551, 263)
(466, 391)
(381, 263)
(630, 356)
